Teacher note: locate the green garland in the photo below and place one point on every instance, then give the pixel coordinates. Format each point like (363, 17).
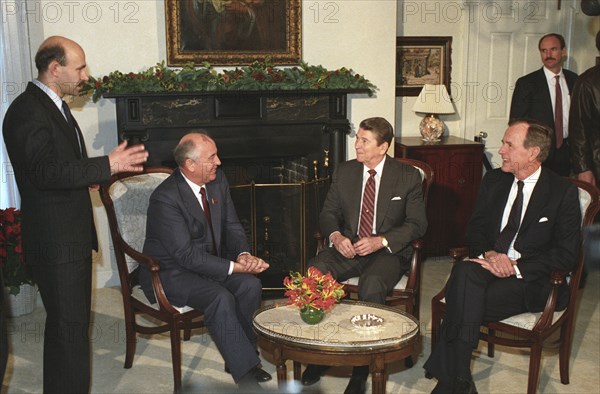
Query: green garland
(259, 76)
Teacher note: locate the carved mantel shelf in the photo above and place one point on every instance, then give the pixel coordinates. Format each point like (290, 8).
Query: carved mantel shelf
(245, 124)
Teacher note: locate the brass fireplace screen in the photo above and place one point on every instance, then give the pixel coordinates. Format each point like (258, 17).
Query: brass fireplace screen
(280, 220)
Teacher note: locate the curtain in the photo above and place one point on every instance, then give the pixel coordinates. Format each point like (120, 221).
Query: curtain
(15, 72)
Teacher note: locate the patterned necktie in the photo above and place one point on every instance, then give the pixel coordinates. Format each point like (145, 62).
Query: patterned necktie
(514, 222)
(206, 209)
(368, 207)
(558, 114)
(71, 122)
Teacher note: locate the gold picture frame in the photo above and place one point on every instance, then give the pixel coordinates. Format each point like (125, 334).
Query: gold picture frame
(238, 32)
(421, 60)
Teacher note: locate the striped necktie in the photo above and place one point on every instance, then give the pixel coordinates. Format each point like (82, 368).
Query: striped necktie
(367, 211)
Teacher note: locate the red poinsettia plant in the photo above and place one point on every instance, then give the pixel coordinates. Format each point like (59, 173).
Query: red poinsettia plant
(12, 263)
(314, 290)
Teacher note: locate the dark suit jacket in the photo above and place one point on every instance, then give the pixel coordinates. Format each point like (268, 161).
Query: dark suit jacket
(549, 235)
(584, 124)
(53, 180)
(177, 235)
(531, 99)
(400, 211)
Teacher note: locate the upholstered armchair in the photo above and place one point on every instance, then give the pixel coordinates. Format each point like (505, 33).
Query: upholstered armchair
(534, 330)
(126, 200)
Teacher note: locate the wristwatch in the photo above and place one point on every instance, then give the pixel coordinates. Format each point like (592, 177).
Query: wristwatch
(384, 242)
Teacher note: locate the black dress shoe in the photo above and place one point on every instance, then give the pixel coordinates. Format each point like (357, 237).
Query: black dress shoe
(248, 383)
(260, 375)
(312, 374)
(356, 385)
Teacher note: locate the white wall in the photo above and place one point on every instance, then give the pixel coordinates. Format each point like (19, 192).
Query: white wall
(451, 18)
(130, 36)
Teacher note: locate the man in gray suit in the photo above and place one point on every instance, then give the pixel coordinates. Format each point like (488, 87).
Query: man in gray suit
(193, 230)
(370, 232)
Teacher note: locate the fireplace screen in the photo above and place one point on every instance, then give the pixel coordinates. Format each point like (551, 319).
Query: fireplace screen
(280, 220)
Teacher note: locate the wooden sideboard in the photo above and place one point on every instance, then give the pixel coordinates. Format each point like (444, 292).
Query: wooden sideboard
(457, 164)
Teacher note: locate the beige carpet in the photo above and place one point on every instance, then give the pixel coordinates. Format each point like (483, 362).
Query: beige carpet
(203, 366)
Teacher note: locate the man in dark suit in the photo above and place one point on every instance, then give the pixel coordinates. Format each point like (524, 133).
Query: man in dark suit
(54, 174)
(194, 232)
(585, 125)
(535, 97)
(370, 233)
(507, 274)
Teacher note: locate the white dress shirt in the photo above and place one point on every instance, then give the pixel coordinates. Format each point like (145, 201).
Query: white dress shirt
(528, 186)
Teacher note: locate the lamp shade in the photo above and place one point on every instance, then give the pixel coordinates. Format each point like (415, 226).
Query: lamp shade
(434, 99)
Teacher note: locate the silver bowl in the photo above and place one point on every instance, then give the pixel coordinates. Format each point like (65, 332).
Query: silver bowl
(366, 321)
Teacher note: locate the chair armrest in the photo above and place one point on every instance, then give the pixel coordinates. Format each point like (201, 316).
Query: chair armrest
(154, 267)
(459, 253)
(321, 242)
(557, 278)
(415, 265)
(456, 254)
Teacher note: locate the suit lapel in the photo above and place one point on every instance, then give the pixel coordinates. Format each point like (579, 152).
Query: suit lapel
(58, 116)
(388, 180)
(497, 209)
(354, 193)
(542, 84)
(191, 203)
(212, 191)
(541, 194)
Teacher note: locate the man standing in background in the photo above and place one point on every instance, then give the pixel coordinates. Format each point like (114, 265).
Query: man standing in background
(545, 95)
(54, 176)
(584, 124)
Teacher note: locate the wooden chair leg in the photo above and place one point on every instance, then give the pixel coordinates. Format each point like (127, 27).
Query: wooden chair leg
(416, 302)
(491, 345)
(176, 356)
(130, 339)
(187, 334)
(564, 354)
(534, 368)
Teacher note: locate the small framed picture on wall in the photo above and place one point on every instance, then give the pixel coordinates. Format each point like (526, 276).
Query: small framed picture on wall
(420, 61)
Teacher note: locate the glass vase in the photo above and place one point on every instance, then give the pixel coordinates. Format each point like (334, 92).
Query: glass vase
(311, 315)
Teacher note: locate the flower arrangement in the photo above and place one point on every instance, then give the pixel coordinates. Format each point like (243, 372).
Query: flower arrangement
(259, 76)
(12, 264)
(313, 290)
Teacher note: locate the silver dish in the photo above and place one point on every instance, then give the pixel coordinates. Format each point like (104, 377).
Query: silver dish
(366, 321)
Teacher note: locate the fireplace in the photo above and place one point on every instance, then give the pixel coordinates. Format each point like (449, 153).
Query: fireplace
(278, 150)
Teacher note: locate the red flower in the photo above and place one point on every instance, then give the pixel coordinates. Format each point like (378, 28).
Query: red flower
(315, 289)
(258, 75)
(11, 250)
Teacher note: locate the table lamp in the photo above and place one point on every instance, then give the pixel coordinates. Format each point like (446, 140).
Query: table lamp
(432, 101)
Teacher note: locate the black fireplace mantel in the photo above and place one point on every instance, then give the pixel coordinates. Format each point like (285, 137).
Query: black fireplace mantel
(246, 125)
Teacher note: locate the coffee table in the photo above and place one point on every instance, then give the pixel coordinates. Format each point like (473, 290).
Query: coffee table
(335, 341)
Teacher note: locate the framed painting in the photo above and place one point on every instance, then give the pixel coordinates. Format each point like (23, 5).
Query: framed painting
(233, 32)
(421, 60)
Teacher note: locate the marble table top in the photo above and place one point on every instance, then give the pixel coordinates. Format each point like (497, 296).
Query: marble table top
(336, 331)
